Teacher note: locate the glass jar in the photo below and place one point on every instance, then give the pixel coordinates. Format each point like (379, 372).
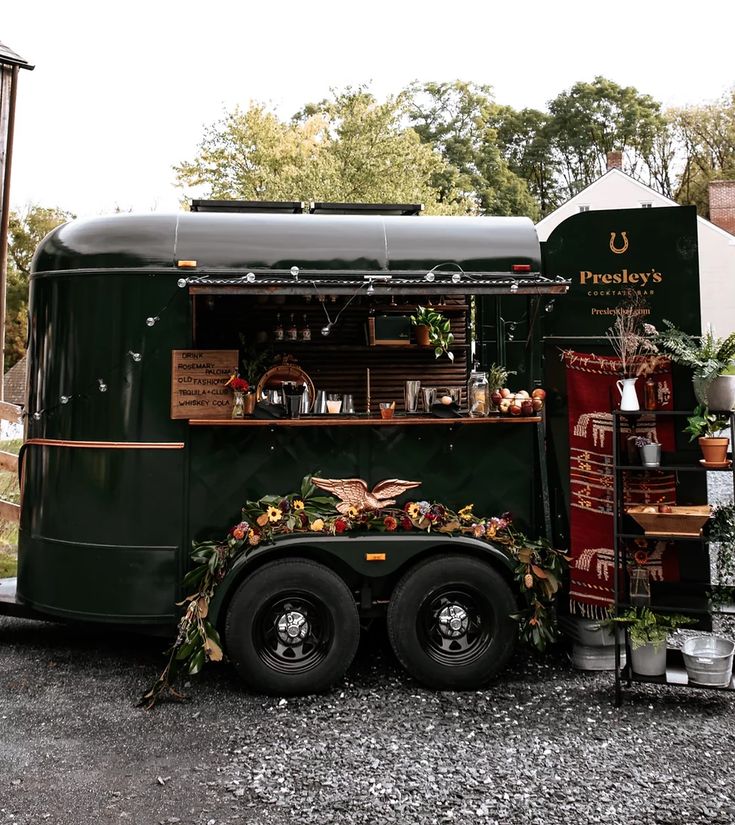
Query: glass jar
(238, 406)
(478, 394)
(640, 587)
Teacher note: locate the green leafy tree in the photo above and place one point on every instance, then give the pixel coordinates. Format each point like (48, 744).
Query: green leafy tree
(707, 136)
(26, 230)
(347, 148)
(592, 119)
(457, 119)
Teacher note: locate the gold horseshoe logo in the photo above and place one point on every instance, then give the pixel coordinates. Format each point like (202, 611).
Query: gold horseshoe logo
(621, 249)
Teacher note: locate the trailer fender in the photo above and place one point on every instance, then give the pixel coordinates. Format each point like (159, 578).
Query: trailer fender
(357, 557)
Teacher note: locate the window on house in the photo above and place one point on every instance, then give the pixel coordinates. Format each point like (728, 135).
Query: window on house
(584, 208)
(646, 204)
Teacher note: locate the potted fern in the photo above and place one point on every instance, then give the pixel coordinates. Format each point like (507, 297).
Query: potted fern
(647, 632)
(711, 359)
(433, 329)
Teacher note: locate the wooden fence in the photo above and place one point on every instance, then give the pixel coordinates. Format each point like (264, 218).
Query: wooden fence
(9, 512)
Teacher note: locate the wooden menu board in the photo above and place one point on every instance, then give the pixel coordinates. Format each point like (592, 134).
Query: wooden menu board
(198, 378)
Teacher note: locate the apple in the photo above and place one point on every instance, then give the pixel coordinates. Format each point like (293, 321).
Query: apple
(523, 394)
(515, 409)
(537, 404)
(505, 392)
(538, 393)
(496, 397)
(527, 407)
(504, 405)
(664, 508)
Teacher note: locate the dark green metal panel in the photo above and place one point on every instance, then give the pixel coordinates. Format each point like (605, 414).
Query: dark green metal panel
(102, 530)
(488, 466)
(237, 241)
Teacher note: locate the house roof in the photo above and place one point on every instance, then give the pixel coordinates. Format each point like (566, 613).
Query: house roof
(8, 56)
(15, 383)
(642, 192)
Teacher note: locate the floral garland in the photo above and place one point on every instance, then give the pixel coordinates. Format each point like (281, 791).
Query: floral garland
(538, 568)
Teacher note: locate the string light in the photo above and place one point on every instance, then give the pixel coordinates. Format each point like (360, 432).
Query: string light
(152, 320)
(64, 399)
(429, 277)
(250, 277)
(456, 278)
(102, 386)
(295, 272)
(36, 416)
(182, 282)
(136, 356)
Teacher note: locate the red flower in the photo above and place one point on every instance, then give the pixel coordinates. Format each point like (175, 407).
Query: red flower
(390, 523)
(340, 525)
(406, 506)
(238, 384)
(430, 517)
(406, 523)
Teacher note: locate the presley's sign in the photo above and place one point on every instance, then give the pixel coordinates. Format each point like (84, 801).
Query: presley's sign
(608, 253)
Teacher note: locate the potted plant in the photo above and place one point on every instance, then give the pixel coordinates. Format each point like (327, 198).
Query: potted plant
(433, 329)
(711, 359)
(647, 632)
(706, 426)
(649, 449)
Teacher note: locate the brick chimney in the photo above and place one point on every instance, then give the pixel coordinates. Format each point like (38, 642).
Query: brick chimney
(722, 204)
(615, 160)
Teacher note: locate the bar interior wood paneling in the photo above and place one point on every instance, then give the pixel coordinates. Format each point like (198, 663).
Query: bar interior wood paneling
(339, 362)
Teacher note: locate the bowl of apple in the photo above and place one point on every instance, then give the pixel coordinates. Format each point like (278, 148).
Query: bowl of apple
(520, 403)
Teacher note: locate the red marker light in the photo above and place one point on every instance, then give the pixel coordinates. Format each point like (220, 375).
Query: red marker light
(521, 268)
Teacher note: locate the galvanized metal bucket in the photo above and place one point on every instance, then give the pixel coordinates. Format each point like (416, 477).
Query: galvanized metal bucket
(708, 660)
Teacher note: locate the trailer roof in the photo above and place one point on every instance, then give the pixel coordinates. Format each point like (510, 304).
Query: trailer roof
(261, 251)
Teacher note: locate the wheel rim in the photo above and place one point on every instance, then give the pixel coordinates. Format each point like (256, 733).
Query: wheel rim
(293, 632)
(455, 625)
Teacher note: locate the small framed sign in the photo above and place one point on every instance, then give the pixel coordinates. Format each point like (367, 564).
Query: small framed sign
(198, 379)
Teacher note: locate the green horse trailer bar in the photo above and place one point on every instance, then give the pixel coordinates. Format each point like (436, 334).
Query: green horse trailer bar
(116, 486)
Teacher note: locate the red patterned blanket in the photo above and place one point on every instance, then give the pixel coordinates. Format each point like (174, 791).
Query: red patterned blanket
(592, 394)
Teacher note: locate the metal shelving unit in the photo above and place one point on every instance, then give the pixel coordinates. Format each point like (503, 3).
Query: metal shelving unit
(676, 675)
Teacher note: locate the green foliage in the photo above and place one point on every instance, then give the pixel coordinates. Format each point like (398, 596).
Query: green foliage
(8, 565)
(705, 424)
(721, 537)
(707, 355)
(26, 230)
(592, 119)
(456, 119)
(440, 334)
(345, 149)
(706, 135)
(646, 627)
(497, 376)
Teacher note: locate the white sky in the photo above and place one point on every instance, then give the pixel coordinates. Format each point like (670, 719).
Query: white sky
(121, 91)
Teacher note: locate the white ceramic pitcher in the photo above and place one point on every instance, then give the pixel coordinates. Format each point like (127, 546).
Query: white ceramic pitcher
(628, 395)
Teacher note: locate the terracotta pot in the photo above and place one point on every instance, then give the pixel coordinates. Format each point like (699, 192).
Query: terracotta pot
(714, 450)
(422, 335)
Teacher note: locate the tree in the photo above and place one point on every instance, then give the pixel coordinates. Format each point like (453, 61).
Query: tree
(592, 119)
(26, 230)
(707, 135)
(347, 148)
(457, 120)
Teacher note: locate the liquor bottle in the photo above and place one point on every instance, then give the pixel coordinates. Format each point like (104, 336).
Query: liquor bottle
(292, 332)
(305, 332)
(650, 394)
(278, 329)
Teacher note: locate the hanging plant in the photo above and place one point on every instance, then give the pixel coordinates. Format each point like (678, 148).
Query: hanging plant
(439, 328)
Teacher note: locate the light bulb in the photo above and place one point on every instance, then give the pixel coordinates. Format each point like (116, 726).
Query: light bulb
(151, 321)
(102, 386)
(64, 399)
(550, 306)
(36, 416)
(250, 277)
(295, 271)
(429, 277)
(181, 283)
(371, 289)
(456, 278)
(327, 329)
(136, 356)
(514, 287)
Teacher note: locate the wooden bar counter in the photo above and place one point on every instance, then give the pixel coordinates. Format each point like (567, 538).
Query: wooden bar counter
(363, 421)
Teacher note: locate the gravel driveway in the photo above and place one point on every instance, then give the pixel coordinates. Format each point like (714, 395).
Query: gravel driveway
(544, 745)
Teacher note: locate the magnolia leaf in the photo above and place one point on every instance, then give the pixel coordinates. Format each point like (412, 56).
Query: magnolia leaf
(196, 663)
(524, 555)
(540, 572)
(262, 519)
(203, 606)
(213, 650)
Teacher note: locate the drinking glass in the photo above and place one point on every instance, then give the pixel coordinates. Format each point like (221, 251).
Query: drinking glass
(387, 408)
(334, 402)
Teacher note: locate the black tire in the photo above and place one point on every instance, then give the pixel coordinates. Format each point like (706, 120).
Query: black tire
(449, 622)
(292, 628)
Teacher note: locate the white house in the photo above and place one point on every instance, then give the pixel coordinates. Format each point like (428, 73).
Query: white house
(616, 190)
